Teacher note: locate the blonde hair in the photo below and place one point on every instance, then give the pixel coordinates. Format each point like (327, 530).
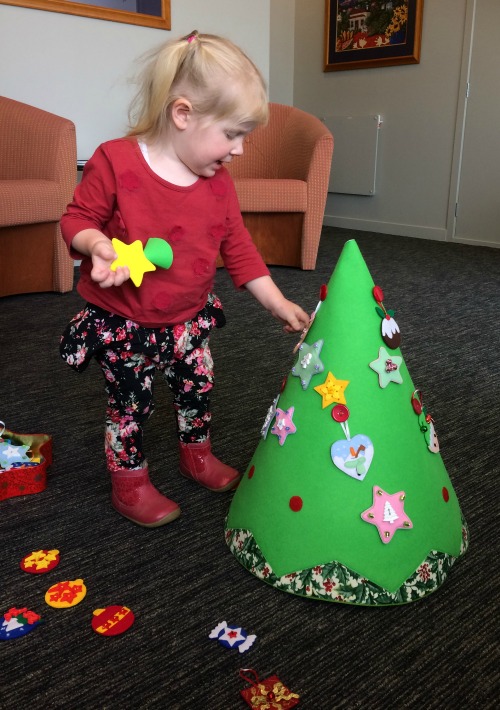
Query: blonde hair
(215, 75)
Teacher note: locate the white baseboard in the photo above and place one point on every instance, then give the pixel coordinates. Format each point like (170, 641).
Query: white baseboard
(405, 230)
(476, 242)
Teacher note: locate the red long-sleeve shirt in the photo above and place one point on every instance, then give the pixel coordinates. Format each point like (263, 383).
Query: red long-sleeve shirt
(122, 197)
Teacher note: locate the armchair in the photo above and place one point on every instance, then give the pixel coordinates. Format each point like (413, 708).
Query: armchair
(37, 179)
(282, 183)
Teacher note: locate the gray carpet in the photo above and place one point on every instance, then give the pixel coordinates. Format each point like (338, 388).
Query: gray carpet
(181, 580)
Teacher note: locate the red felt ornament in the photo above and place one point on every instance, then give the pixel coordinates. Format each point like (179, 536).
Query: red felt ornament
(268, 694)
(40, 561)
(113, 620)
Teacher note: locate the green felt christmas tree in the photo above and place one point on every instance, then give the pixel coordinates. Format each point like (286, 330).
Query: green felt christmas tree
(346, 497)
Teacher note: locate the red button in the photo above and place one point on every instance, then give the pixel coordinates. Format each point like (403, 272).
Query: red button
(446, 495)
(296, 503)
(251, 471)
(340, 413)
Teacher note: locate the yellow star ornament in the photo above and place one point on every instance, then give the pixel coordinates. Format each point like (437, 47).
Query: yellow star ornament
(332, 390)
(132, 255)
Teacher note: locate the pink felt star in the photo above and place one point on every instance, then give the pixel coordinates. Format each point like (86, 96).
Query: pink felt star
(283, 424)
(387, 513)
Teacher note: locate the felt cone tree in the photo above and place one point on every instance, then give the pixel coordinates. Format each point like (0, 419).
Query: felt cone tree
(346, 497)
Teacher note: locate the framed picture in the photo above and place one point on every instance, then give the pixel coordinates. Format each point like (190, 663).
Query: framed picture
(147, 13)
(360, 34)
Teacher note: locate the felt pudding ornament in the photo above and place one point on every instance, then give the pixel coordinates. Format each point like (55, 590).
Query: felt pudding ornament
(346, 497)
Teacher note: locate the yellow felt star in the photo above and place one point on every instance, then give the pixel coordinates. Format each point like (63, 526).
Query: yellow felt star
(132, 255)
(332, 390)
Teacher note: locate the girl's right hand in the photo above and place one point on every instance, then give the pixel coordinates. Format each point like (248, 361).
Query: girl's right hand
(103, 255)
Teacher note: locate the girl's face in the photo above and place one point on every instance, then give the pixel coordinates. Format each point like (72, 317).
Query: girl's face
(205, 145)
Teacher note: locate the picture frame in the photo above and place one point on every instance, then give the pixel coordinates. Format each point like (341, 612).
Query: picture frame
(136, 13)
(361, 34)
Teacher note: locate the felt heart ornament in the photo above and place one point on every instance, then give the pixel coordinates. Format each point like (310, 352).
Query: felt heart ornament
(353, 456)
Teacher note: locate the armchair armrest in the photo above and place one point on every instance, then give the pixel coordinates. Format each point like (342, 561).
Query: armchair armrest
(299, 143)
(35, 144)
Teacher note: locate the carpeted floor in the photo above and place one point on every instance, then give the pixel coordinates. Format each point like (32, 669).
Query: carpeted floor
(181, 580)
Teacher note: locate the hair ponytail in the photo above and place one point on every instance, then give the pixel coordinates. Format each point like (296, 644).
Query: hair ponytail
(211, 72)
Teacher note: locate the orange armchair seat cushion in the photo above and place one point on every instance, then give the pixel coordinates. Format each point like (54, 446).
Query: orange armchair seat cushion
(266, 195)
(29, 202)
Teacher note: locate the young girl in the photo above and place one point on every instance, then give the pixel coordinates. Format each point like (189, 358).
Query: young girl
(200, 97)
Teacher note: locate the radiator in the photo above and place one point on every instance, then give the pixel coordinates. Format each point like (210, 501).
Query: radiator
(354, 162)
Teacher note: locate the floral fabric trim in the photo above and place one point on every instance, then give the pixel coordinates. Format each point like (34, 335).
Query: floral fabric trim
(335, 582)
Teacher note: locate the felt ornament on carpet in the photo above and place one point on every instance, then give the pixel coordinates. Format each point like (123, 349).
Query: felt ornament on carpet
(267, 694)
(113, 620)
(232, 637)
(356, 506)
(18, 622)
(65, 594)
(40, 561)
(24, 460)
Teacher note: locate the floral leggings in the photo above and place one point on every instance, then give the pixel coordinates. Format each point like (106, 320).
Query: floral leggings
(129, 356)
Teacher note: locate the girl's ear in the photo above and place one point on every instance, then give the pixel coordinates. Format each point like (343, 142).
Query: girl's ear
(181, 113)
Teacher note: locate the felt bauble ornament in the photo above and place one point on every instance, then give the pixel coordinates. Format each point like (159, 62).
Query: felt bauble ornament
(112, 620)
(18, 622)
(65, 594)
(357, 505)
(40, 561)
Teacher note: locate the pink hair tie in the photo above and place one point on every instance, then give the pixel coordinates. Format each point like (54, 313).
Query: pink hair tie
(192, 36)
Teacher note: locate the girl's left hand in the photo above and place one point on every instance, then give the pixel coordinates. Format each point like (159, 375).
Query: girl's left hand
(293, 317)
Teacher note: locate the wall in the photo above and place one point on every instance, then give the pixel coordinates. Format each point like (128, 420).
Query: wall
(81, 68)
(418, 104)
(281, 51)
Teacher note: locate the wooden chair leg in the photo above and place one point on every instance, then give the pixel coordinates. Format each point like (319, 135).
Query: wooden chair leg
(277, 236)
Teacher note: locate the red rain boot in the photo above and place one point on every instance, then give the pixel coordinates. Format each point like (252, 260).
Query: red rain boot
(198, 462)
(135, 497)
